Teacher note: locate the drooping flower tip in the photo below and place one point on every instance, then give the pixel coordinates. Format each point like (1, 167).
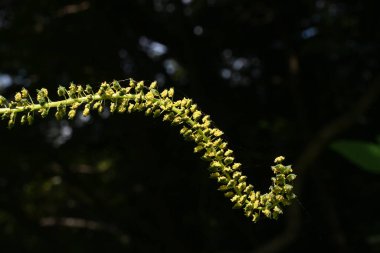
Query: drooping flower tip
(279, 159)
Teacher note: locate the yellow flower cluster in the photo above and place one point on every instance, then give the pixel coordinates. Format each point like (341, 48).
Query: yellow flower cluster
(195, 126)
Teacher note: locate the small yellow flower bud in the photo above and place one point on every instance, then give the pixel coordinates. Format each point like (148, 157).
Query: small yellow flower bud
(153, 85)
(130, 107)
(112, 107)
(18, 97)
(79, 89)
(132, 83)
(266, 212)
(217, 132)
(71, 114)
(279, 159)
(86, 111)
(248, 189)
(228, 152)
(23, 120)
(177, 121)
(222, 180)
(96, 105)
(171, 92)
(235, 198)
(164, 93)
(196, 115)
(197, 149)
(24, 93)
(149, 95)
(223, 145)
(237, 205)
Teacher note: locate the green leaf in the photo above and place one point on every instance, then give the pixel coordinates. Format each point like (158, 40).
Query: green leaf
(366, 155)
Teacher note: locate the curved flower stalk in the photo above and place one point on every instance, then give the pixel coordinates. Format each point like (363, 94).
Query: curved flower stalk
(195, 126)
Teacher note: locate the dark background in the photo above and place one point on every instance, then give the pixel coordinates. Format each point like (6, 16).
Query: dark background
(278, 77)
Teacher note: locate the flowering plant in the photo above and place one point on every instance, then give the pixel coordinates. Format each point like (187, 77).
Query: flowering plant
(195, 126)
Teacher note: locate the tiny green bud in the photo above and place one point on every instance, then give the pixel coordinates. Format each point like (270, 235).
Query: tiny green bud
(229, 194)
(231, 183)
(288, 188)
(223, 188)
(89, 89)
(116, 85)
(61, 91)
(30, 119)
(228, 160)
(23, 119)
(291, 177)
(214, 175)
(156, 113)
(2, 100)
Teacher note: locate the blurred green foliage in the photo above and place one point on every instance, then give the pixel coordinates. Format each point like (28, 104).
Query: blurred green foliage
(366, 155)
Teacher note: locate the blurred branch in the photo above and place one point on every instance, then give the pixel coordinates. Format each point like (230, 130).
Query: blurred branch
(71, 222)
(73, 8)
(309, 156)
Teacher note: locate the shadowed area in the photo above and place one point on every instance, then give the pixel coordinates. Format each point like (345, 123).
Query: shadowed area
(293, 78)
